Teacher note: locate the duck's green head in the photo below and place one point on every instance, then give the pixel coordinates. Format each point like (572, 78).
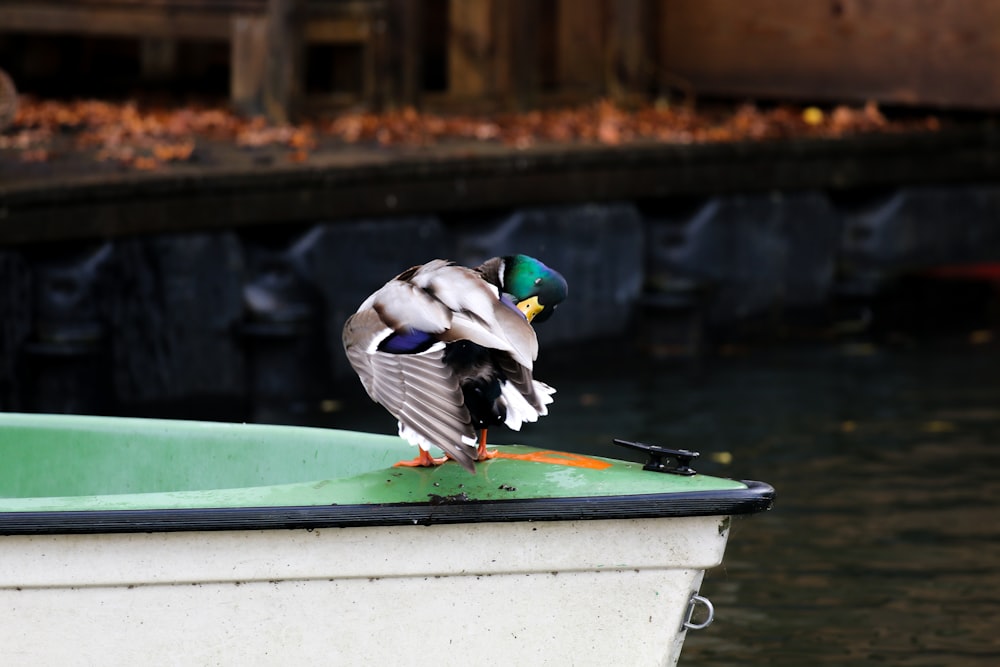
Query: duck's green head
(536, 288)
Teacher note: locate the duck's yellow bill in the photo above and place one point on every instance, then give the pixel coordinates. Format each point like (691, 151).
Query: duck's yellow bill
(530, 307)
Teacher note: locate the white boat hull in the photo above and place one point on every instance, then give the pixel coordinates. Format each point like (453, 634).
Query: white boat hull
(600, 592)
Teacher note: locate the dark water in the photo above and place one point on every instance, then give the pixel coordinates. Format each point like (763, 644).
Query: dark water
(884, 545)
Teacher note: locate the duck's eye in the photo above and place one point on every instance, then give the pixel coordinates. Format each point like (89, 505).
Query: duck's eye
(538, 281)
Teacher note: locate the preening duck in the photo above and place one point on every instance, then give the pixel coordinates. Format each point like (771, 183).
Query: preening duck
(449, 350)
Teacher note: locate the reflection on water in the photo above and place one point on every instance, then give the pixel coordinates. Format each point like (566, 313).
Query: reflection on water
(884, 545)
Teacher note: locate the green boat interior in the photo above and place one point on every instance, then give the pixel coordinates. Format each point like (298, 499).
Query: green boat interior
(73, 465)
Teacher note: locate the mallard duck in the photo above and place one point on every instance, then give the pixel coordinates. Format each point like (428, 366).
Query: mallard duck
(448, 351)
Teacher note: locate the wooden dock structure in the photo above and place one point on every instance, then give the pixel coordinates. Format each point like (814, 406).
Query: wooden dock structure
(518, 54)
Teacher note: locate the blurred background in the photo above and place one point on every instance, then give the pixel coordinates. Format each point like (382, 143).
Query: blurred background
(779, 221)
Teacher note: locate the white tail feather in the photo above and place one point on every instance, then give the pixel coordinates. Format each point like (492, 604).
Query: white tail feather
(414, 438)
(519, 410)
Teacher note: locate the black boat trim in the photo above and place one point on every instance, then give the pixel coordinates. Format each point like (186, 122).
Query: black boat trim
(757, 497)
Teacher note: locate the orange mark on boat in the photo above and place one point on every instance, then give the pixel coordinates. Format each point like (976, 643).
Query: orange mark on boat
(557, 458)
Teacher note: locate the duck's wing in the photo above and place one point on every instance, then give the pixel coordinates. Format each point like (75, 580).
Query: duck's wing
(475, 311)
(418, 389)
(457, 305)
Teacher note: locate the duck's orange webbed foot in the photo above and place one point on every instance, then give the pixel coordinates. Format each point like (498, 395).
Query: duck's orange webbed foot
(483, 454)
(423, 460)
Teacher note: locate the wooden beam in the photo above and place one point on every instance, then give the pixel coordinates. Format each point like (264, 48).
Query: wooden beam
(494, 52)
(214, 6)
(248, 63)
(400, 54)
(517, 54)
(580, 45)
(331, 30)
(283, 78)
(920, 52)
(87, 20)
(471, 45)
(627, 65)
